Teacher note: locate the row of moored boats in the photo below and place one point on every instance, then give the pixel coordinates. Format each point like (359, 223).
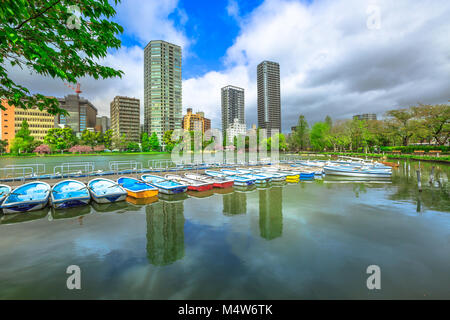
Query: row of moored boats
(72, 193)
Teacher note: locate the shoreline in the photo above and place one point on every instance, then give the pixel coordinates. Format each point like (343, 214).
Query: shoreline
(444, 159)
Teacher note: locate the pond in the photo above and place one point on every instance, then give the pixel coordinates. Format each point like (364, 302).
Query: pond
(312, 240)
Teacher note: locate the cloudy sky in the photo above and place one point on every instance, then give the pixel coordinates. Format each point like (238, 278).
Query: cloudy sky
(337, 57)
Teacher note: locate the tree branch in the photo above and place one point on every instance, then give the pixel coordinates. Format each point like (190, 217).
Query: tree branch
(37, 15)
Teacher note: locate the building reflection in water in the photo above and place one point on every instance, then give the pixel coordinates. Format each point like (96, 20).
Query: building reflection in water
(234, 203)
(270, 212)
(165, 232)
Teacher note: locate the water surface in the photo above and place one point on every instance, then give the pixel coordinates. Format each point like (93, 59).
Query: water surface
(312, 240)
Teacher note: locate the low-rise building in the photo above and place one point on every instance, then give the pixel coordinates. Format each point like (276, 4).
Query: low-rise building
(39, 122)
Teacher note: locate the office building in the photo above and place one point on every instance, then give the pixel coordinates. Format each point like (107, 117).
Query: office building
(365, 116)
(195, 122)
(232, 106)
(268, 100)
(39, 122)
(162, 87)
(125, 118)
(234, 130)
(102, 124)
(82, 114)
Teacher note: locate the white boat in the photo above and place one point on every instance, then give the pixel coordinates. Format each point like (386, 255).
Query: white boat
(216, 181)
(193, 184)
(68, 194)
(238, 180)
(357, 172)
(106, 191)
(28, 197)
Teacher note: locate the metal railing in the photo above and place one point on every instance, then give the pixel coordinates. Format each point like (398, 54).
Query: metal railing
(131, 166)
(11, 173)
(74, 169)
(38, 168)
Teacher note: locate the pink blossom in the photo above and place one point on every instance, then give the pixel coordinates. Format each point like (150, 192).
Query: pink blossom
(80, 149)
(42, 149)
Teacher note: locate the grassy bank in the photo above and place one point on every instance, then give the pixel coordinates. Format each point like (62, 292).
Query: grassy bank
(32, 155)
(443, 159)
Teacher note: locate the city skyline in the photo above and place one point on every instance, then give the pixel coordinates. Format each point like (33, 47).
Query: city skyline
(341, 68)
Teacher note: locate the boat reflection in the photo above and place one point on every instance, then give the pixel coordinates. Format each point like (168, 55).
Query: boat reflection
(142, 201)
(223, 190)
(245, 189)
(271, 212)
(234, 203)
(173, 197)
(69, 213)
(200, 194)
(110, 207)
(165, 232)
(24, 217)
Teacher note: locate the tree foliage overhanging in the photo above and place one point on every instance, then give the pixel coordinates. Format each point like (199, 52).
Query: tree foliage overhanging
(50, 39)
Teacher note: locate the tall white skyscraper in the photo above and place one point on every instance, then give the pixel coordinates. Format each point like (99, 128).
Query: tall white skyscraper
(162, 87)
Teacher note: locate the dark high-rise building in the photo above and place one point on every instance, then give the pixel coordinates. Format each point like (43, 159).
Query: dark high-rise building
(162, 87)
(269, 101)
(82, 114)
(232, 106)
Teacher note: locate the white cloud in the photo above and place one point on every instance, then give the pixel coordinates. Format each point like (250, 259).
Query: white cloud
(149, 20)
(332, 63)
(233, 9)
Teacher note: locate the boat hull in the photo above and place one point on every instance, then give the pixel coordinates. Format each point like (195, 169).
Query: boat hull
(71, 203)
(201, 188)
(176, 190)
(223, 185)
(109, 198)
(142, 194)
(25, 206)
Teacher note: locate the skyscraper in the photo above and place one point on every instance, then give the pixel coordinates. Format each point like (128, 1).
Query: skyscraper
(162, 87)
(269, 101)
(125, 118)
(232, 106)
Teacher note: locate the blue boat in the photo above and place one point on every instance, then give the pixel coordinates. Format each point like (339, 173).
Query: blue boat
(238, 180)
(69, 194)
(4, 192)
(28, 197)
(307, 176)
(106, 191)
(165, 186)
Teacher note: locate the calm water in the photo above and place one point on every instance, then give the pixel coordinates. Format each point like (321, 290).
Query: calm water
(312, 240)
